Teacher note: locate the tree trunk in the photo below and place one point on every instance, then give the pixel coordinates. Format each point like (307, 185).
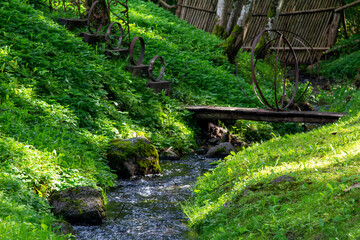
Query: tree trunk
(221, 12)
(235, 13)
(234, 42)
(273, 14)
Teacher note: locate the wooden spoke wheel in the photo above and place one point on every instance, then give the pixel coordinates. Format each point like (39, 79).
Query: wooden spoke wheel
(56, 4)
(114, 35)
(78, 6)
(98, 16)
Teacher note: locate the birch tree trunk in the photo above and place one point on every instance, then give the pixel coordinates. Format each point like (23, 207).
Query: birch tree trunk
(273, 14)
(221, 14)
(234, 42)
(235, 13)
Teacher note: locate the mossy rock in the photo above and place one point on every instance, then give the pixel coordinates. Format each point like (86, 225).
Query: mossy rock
(221, 150)
(133, 157)
(78, 205)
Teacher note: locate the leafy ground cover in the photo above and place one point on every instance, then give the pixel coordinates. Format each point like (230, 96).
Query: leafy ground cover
(238, 200)
(62, 101)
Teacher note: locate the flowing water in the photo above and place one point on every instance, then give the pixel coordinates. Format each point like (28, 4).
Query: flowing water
(149, 208)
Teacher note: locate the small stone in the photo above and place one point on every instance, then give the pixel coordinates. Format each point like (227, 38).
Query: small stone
(169, 155)
(284, 178)
(221, 150)
(214, 141)
(355, 185)
(63, 228)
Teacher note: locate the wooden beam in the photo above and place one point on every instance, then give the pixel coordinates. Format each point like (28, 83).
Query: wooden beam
(294, 48)
(197, 8)
(347, 6)
(309, 11)
(255, 114)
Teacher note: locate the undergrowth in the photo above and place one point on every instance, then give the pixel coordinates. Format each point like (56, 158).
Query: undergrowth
(62, 102)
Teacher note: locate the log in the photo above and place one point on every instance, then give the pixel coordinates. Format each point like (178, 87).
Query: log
(255, 114)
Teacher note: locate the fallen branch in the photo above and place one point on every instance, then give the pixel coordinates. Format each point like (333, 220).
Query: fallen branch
(165, 5)
(347, 6)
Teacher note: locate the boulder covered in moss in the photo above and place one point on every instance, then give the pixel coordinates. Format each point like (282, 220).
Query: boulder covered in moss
(221, 150)
(133, 157)
(79, 205)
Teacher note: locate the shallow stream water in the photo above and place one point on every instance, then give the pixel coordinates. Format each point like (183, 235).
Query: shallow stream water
(149, 208)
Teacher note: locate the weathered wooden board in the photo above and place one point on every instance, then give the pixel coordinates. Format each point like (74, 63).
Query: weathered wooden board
(255, 114)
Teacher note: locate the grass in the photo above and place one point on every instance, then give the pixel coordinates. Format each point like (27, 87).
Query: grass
(238, 200)
(62, 102)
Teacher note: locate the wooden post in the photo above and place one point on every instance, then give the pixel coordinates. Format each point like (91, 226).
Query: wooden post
(178, 9)
(344, 25)
(334, 26)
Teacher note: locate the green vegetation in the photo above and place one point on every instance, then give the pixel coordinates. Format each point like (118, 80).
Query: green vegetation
(240, 199)
(346, 64)
(62, 102)
(322, 202)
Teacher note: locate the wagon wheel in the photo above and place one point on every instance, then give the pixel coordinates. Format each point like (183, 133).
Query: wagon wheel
(132, 51)
(56, 4)
(152, 66)
(114, 40)
(98, 16)
(78, 6)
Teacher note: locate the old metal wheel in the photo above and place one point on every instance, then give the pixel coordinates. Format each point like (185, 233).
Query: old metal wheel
(97, 17)
(152, 66)
(114, 41)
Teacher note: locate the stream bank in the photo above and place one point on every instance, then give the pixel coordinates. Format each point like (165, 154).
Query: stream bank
(150, 207)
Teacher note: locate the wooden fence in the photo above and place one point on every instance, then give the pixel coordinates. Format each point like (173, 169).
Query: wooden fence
(200, 13)
(317, 21)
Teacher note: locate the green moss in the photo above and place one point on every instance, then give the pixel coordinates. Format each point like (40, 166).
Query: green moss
(272, 9)
(261, 44)
(228, 45)
(140, 150)
(221, 150)
(219, 31)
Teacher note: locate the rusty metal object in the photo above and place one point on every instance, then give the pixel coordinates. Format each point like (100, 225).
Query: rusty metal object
(97, 17)
(78, 6)
(281, 43)
(56, 4)
(151, 68)
(119, 38)
(122, 15)
(132, 48)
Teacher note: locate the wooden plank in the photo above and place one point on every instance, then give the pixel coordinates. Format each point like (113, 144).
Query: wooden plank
(295, 48)
(255, 114)
(197, 8)
(309, 11)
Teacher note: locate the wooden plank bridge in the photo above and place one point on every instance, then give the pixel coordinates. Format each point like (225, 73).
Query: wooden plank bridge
(255, 114)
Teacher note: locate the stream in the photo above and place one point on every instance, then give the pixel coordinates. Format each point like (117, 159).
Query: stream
(149, 208)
